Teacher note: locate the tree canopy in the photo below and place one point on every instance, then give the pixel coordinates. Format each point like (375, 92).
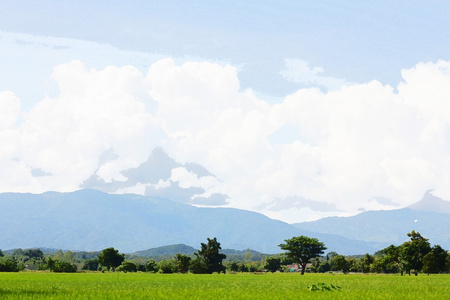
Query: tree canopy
(208, 259)
(301, 249)
(110, 258)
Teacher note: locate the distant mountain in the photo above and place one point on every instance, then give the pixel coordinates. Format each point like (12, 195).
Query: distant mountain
(93, 220)
(390, 226)
(432, 203)
(170, 250)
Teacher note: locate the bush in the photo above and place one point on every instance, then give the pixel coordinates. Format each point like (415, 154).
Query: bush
(151, 266)
(167, 267)
(60, 266)
(127, 266)
(90, 265)
(9, 265)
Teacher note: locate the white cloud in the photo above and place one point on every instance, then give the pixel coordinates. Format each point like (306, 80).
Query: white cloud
(299, 71)
(350, 144)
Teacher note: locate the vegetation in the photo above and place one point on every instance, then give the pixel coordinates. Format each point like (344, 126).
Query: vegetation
(302, 249)
(110, 258)
(38, 285)
(208, 259)
(414, 256)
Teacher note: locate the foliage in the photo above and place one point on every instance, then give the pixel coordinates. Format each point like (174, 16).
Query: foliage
(387, 260)
(436, 260)
(323, 287)
(60, 266)
(182, 262)
(208, 259)
(151, 266)
(1, 253)
(9, 264)
(110, 258)
(167, 267)
(302, 249)
(242, 268)
(273, 264)
(234, 266)
(412, 253)
(127, 266)
(90, 264)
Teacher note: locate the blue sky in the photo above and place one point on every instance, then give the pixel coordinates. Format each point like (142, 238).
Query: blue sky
(299, 80)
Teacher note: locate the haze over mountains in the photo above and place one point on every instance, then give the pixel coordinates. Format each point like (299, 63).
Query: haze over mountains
(93, 220)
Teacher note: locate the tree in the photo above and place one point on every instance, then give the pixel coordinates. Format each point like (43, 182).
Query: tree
(110, 258)
(1, 253)
(388, 260)
(412, 253)
(90, 264)
(435, 261)
(366, 261)
(127, 266)
(61, 266)
(234, 266)
(340, 263)
(9, 265)
(167, 266)
(208, 259)
(302, 249)
(151, 266)
(182, 262)
(273, 264)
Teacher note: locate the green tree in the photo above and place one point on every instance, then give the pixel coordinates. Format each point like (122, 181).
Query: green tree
(182, 262)
(366, 261)
(273, 264)
(151, 266)
(9, 264)
(127, 266)
(412, 253)
(90, 264)
(340, 263)
(61, 266)
(387, 260)
(1, 253)
(208, 259)
(167, 267)
(435, 261)
(302, 249)
(234, 266)
(242, 268)
(110, 258)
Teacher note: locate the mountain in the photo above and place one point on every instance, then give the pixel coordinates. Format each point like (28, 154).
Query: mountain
(432, 203)
(93, 220)
(390, 226)
(170, 250)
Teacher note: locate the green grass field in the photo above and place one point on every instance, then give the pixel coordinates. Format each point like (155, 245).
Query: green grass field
(35, 285)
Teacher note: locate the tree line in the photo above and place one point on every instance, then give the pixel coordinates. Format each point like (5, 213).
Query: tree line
(413, 256)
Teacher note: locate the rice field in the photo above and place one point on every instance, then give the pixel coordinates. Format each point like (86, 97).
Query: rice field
(37, 285)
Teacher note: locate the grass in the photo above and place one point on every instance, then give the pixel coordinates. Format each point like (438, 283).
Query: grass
(36, 285)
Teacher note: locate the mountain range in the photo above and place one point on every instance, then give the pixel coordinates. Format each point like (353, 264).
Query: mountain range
(92, 220)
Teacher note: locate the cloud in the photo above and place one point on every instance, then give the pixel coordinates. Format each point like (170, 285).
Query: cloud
(299, 71)
(279, 204)
(338, 148)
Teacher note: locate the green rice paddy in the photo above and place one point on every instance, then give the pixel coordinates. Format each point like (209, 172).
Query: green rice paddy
(36, 285)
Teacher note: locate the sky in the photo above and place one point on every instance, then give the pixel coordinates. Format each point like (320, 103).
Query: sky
(295, 109)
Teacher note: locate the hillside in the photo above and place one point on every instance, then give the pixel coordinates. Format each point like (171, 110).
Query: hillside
(93, 220)
(386, 226)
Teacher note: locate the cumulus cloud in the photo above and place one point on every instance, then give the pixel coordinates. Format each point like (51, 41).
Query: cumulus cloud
(343, 147)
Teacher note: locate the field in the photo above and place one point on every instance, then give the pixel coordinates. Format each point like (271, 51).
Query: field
(35, 285)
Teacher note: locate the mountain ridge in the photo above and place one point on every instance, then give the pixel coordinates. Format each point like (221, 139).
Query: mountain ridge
(90, 220)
